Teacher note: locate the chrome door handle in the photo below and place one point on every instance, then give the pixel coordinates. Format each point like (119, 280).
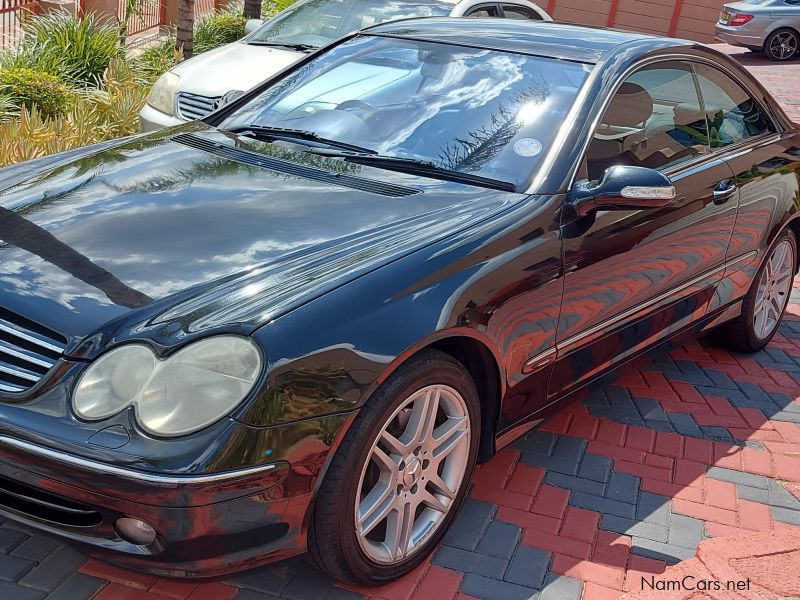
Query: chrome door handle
(723, 192)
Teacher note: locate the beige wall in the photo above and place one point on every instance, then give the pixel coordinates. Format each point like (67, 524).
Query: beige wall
(691, 19)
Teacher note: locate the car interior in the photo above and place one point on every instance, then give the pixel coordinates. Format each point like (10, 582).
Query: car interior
(637, 130)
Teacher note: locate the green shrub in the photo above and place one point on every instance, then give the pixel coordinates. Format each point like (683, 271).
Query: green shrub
(29, 88)
(156, 59)
(218, 28)
(270, 8)
(76, 50)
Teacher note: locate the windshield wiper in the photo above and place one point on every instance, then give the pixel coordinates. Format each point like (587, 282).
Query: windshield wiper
(289, 45)
(262, 132)
(415, 167)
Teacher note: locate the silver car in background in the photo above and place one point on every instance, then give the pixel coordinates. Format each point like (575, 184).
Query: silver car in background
(195, 88)
(769, 25)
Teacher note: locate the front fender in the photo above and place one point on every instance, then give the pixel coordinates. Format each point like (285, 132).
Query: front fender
(329, 355)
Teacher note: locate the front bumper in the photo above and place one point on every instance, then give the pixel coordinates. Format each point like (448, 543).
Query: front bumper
(208, 524)
(151, 119)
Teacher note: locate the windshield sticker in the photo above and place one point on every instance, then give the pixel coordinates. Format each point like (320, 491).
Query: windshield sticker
(528, 147)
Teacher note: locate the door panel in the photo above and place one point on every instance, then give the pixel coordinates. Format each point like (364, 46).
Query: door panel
(633, 277)
(768, 177)
(765, 166)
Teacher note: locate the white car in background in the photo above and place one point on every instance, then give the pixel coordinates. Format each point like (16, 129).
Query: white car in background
(200, 85)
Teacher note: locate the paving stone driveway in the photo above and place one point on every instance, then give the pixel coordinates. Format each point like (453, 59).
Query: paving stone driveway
(695, 445)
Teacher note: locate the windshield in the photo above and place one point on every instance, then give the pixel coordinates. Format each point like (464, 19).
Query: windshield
(319, 22)
(482, 112)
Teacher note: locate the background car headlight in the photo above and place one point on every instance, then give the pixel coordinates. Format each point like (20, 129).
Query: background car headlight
(162, 96)
(181, 394)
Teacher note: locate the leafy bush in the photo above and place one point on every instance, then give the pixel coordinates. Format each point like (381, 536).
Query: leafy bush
(75, 50)
(106, 113)
(218, 28)
(270, 8)
(29, 88)
(157, 59)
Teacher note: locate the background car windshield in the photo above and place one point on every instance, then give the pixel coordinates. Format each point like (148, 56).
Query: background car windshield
(318, 22)
(476, 111)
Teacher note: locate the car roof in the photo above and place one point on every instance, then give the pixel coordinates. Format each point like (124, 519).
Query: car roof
(542, 38)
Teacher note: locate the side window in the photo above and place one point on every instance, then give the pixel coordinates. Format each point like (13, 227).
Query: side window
(520, 12)
(654, 120)
(733, 115)
(484, 11)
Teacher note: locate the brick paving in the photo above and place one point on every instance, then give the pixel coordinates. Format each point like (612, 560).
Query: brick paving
(781, 79)
(671, 469)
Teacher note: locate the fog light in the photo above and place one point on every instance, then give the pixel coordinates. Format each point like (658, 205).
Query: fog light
(135, 531)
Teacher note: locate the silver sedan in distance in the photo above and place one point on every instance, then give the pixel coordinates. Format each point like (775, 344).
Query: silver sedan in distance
(769, 25)
(197, 87)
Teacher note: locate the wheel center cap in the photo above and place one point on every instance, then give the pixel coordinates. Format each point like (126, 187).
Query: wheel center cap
(412, 472)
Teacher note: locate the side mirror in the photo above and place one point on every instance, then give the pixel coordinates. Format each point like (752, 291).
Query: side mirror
(623, 188)
(252, 25)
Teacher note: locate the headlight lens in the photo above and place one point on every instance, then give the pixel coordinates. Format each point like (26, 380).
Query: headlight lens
(162, 96)
(182, 394)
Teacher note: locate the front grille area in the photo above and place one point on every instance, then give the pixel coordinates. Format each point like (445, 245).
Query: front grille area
(194, 106)
(27, 352)
(45, 506)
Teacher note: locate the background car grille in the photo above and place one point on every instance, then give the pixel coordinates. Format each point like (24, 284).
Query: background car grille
(194, 106)
(27, 352)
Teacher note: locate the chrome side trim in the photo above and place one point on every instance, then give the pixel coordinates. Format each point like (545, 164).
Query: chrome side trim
(128, 473)
(540, 360)
(578, 337)
(515, 431)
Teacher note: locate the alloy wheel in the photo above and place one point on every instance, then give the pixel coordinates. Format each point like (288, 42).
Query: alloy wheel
(412, 474)
(774, 288)
(783, 45)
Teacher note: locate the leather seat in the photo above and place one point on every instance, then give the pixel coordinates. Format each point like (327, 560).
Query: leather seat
(630, 133)
(629, 110)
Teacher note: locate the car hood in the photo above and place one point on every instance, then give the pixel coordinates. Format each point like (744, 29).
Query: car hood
(156, 238)
(236, 66)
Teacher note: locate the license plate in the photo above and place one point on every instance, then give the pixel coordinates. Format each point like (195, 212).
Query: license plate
(726, 15)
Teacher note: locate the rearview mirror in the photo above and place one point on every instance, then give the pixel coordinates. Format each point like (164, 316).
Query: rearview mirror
(624, 188)
(252, 25)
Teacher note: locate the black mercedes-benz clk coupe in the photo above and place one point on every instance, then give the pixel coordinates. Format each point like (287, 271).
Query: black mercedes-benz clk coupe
(298, 324)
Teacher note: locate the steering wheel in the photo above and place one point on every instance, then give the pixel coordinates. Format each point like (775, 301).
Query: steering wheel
(313, 40)
(363, 110)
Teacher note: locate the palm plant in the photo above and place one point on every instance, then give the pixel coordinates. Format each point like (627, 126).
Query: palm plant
(252, 9)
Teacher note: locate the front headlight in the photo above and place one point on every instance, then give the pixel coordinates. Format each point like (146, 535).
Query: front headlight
(179, 395)
(162, 96)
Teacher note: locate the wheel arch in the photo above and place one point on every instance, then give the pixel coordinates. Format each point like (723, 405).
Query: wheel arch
(483, 364)
(781, 27)
(793, 223)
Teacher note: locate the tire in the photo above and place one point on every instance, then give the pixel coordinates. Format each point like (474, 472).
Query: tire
(748, 332)
(356, 475)
(782, 44)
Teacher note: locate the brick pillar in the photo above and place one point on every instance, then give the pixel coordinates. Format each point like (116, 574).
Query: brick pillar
(169, 12)
(51, 6)
(102, 9)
